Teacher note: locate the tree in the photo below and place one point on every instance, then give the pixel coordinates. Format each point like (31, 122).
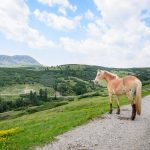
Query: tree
(34, 99)
(54, 83)
(45, 94)
(80, 88)
(19, 103)
(1, 106)
(31, 95)
(41, 93)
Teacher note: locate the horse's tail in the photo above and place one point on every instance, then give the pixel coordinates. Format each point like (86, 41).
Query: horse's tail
(138, 97)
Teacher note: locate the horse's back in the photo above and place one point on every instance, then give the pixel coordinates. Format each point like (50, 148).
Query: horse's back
(122, 85)
(130, 80)
(131, 83)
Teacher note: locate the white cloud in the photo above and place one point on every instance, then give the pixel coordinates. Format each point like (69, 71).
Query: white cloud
(89, 15)
(63, 5)
(57, 22)
(117, 12)
(62, 10)
(119, 38)
(14, 25)
(87, 46)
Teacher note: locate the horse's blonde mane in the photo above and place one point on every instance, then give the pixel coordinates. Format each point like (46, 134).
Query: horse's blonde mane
(112, 74)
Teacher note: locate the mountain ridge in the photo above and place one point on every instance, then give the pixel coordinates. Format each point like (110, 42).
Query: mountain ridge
(17, 61)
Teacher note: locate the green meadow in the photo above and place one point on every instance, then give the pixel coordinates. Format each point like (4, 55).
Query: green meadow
(37, 129)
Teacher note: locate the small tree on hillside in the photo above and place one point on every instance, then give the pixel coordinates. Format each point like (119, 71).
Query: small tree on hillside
(34, 99)
(31, 95)
(41, 93)
(80, 88)
(45, 95)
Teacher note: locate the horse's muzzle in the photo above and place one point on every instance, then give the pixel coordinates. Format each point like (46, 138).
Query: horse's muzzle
(95, 81)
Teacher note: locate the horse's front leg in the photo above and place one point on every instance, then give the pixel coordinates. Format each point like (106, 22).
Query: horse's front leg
(118, 106)
(110, 102)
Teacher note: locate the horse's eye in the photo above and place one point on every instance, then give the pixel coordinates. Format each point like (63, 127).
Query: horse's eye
(98, 74)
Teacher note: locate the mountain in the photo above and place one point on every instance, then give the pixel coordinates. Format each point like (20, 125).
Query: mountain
(17, 60)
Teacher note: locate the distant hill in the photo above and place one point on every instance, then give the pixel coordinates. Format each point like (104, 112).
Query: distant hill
(17, 61)
(68, 80)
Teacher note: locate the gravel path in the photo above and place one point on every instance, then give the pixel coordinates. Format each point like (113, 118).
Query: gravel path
(110, 132)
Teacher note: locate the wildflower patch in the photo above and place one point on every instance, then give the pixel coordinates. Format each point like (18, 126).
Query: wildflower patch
(5, 133)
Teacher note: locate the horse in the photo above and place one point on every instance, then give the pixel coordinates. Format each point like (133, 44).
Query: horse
(128, 85)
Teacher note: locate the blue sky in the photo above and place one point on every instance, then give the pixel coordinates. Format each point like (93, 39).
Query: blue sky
(108, 33)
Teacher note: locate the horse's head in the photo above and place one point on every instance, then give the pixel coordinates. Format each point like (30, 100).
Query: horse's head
(99, 76)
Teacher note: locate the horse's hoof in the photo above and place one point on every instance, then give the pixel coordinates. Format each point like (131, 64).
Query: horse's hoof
(132, 117)
(118, 111)
(110, 112)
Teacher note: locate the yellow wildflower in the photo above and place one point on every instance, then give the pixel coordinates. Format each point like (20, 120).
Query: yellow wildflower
(2, 139)
(9, 131)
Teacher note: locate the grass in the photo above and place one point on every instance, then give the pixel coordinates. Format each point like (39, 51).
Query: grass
(42, 127)
(30, 110)
(13, 91)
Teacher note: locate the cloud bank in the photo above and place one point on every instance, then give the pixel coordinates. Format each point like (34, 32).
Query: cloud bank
(115, 33)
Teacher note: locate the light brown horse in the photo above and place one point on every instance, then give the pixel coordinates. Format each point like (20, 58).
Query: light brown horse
(128, 85)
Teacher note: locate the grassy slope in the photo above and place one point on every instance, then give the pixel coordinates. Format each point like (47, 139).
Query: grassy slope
(41, 127)
(17, 89)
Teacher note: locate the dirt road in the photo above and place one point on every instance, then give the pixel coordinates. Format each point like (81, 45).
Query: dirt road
(110, 132)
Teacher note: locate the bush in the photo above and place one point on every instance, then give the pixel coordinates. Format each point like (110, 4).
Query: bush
(60, 104)
(80, 88)
(90, 95)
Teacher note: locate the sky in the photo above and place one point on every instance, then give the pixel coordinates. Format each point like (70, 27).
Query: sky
(111, 33)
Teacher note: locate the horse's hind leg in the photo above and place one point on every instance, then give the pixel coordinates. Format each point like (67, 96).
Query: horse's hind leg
(133, 112)
(110, 102)
(118, 106)
(130, 97)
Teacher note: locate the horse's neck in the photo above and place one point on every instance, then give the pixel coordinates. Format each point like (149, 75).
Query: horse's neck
(108, 77)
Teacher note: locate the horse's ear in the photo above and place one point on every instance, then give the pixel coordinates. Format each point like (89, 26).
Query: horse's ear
(102, 71)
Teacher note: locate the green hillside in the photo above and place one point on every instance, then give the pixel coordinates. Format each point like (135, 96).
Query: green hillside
(11, 92)
(64, 80)
(67, 80)
(63, 75)
(38, 103)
